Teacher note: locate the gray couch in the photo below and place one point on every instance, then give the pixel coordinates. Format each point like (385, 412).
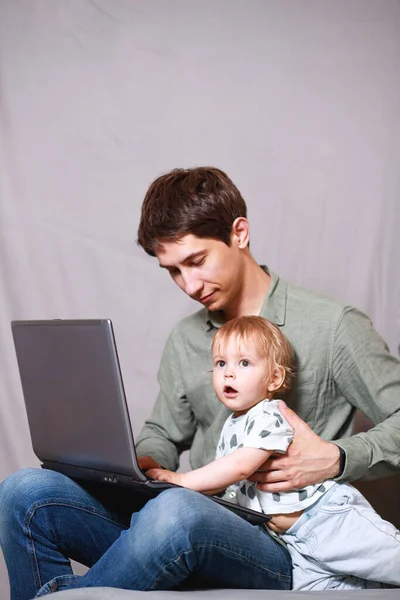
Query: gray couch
(114, 594)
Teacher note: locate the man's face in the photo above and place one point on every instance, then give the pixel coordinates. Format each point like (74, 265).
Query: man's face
(240, 375)
(206, 269)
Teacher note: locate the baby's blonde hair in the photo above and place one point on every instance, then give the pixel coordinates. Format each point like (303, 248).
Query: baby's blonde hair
(268, 340)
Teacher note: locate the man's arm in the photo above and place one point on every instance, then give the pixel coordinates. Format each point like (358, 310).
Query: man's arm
(219, 474)
(171, 427)
(369, 377)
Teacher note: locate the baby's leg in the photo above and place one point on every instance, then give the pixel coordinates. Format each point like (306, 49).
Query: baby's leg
(342, 541)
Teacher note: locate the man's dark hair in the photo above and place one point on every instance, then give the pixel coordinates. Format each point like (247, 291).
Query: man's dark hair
(202, 201)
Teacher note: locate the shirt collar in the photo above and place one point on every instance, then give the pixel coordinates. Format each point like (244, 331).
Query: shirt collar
(273, 308)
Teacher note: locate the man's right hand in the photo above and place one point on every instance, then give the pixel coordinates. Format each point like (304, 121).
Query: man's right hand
(308, 460)
(146, 462)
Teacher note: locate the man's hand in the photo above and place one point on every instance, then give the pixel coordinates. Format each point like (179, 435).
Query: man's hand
(164, 475)
(146, 462)
(308, 460)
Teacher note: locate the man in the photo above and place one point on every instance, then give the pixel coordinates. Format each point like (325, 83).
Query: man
(194, 222)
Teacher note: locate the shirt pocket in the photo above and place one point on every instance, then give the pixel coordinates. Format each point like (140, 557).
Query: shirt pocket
(303, 396)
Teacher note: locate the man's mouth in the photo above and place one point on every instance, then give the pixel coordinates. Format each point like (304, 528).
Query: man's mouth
(229, 391)
(205, 299)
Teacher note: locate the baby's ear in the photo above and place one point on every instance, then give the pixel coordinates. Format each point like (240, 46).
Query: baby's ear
(277, 378)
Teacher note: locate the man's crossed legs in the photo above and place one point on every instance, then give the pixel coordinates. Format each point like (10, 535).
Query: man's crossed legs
(179, 539)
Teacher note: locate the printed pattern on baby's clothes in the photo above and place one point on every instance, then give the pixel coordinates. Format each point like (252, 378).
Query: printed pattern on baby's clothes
(264, 427)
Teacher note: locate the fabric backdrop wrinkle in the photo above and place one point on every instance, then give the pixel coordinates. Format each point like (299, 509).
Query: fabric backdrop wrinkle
(299, 101)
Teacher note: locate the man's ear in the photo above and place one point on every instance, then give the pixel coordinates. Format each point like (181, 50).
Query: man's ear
(240, 232)
(277, 378)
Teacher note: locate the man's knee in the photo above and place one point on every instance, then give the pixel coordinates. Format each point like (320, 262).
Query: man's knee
(24, 488)
(179, 510)
(182, 503)
(16, 487)
(172, 524)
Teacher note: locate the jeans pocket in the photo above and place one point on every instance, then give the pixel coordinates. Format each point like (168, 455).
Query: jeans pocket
(57, 584)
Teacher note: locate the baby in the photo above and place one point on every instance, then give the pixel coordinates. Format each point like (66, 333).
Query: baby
(335, 538)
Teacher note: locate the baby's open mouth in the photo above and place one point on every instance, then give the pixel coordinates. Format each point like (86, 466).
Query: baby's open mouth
(229, 390)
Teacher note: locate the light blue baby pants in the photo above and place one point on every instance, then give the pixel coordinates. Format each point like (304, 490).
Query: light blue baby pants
(342, 543)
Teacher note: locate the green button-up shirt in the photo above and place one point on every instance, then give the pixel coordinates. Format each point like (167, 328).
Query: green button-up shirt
(343, 364)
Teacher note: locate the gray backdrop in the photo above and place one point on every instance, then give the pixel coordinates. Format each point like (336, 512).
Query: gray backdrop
(298, 100)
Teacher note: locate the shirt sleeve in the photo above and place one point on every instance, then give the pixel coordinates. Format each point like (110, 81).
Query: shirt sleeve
(369, 377)
(267, 429)
(171, 426)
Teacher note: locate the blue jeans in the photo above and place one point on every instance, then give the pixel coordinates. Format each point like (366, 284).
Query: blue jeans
(179, 539)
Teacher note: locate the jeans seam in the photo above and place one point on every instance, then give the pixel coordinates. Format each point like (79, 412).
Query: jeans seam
(310, 540)
(340, 508)
(363, 516)
(43, 504)
(54, 584)
(278, 575)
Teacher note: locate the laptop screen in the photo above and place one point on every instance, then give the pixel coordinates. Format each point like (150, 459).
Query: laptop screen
(74, 394)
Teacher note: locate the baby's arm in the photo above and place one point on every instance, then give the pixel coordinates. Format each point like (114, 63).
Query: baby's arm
(219, 474)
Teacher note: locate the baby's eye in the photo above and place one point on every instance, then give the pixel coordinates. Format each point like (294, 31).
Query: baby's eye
(245, 363)
(220, 363)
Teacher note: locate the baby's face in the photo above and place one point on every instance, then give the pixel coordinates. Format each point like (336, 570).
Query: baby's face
(239, 375)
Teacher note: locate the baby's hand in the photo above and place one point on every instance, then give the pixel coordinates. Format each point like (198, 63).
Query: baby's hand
(164, 475)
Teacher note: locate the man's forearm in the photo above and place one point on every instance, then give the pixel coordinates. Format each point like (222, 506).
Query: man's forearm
(369, 376)
(150, 443)
(171, 427)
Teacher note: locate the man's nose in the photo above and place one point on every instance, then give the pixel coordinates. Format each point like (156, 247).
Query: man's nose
(192, 284)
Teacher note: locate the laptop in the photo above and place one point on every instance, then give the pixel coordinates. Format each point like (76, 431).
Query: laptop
(76, 405)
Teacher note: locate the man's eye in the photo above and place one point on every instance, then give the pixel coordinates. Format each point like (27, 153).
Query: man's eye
(245, 363)
(198, 263)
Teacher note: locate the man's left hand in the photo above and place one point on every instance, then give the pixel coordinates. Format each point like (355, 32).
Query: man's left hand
(308, 460)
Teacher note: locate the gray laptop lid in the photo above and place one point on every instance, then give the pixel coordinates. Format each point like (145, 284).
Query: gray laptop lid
(74, 394)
